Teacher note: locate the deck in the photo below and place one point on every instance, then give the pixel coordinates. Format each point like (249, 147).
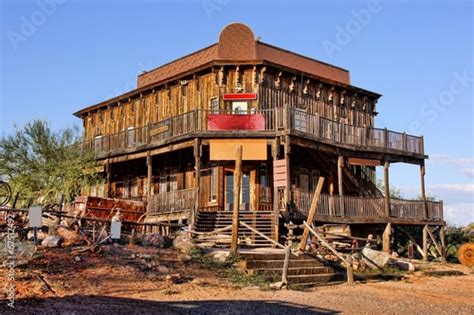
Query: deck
(274, 122)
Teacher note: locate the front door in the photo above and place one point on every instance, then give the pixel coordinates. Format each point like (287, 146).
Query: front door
(244, 190)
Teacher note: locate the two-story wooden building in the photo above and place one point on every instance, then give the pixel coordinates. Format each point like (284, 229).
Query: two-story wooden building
(171, 141)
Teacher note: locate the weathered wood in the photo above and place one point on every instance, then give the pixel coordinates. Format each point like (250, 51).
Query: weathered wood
(276, 210)
(261, 234)
(386, 187)
(387, 238)
(442, 237)
(197, 169)
(425, 242)
(236, 206)
(423, 194)
(149, 181)
(433, 239)
(340, 166)
(312, 212)
(286, 263)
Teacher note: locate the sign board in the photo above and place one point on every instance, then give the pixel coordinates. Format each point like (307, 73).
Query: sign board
(280, 174)
(364, 162)
(35, 217)
(225, 149)
(115, 229)
(240, 96)
(236, 122)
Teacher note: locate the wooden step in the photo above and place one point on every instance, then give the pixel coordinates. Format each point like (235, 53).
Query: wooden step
(261, 264)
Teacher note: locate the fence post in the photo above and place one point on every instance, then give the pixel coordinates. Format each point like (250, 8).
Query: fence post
(235, 214)
(286, 263)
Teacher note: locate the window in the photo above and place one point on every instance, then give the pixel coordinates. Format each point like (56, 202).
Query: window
(214, 105)
(214, 184)
(239, 107)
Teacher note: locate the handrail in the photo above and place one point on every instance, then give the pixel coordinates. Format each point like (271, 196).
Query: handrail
(350, 274)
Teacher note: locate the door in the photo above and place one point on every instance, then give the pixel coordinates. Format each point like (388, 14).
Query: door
(244, 190)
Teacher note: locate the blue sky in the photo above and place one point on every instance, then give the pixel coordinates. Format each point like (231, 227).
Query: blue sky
(58, 56)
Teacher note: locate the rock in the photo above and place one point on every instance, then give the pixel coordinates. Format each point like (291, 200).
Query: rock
(183, 242)
(394, 255)
(174, 278)
(375, 259)
(277, 285)
(78, 258)
(52, 241)
(404, 265)
(153, 240)
(185, 258)
(163, 269)
(145, 256)
(220, 255)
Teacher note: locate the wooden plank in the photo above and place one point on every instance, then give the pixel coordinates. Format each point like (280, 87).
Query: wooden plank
(237, 185)
(312, 212)
(364, 162)
(224, 149)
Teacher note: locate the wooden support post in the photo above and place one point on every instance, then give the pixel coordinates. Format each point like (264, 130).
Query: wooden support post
(442, 238)
(235, 214)
(108, 179)
(288, 182)
(197, 179)
(340, 165)
(387, 238)
(312, 213)
(331, 193)
(276, 201)
(412, 239)
(423, 194)
(286, 263)
(386, 185)
(425, 242)
(149, 179)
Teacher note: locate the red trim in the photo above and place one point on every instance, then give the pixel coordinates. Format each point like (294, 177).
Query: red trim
(240, 96)
(235, 122)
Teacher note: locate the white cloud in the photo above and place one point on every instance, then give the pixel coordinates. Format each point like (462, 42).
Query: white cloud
(459, 214)
(469, 172)
(453, 160)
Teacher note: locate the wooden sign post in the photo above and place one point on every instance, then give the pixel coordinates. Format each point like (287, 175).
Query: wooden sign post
(235, 214)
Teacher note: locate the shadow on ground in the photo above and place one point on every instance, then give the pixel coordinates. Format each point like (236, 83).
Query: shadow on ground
(114, 305)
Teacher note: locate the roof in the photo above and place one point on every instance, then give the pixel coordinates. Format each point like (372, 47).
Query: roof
(236, 44)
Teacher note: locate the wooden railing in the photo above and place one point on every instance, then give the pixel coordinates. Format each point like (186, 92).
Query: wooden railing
(365, 207)
(172, 202)
(289, 119)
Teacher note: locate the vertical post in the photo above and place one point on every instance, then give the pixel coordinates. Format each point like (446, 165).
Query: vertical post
(276, 201)
(312, 213)
(442, 238)
(235, 214)
(340, 165)
(386, 185)
(387, 238)
(108, 179)
(197, 177)
(331, 193)
(286, 263)
(288, 169)
(149, 179)
(425, 242)
(423, 194)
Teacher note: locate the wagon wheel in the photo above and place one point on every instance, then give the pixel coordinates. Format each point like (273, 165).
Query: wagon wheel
(5, 193)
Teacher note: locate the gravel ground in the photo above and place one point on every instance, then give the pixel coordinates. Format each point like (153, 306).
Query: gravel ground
(114, 285)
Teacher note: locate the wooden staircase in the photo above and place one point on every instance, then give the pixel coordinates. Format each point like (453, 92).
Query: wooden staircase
(263, 221)
(304, 270)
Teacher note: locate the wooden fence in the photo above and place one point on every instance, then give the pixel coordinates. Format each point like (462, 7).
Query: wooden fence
(172, 202)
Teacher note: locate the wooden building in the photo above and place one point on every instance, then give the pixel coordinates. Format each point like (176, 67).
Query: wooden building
(172, 141)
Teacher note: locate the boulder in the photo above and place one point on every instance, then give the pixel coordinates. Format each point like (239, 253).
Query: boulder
(183, 242)
(375, 259)
(153, 240)
(52, 241)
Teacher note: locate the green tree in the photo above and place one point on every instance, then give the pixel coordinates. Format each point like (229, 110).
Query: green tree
(41, 164)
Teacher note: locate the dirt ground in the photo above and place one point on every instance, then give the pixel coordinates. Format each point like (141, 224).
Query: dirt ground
(124, 280)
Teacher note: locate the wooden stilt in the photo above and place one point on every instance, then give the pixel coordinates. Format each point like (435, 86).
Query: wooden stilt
(387, 238)
(236, 206)
(149, 180)
(276, 201)
(197, 169)
(442, 238)
(108, 180)
(425, 242)
(331, 193)
(386, 188)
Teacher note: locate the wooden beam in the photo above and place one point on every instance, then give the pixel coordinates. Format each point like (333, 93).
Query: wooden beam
(276, 210)
(387, 238)
(235, 214)
(386, 184)
(312, 212)
(108, 170)
(423, 194)
(288, 182)
(425, 242)
(442, 238)
(418, 248)
(197, 178)
(434, 241)
(149, 179)
(340, 166)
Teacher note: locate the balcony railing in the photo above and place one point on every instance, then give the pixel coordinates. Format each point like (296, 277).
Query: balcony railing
(276, 119)
(365, 207)
(172, 202)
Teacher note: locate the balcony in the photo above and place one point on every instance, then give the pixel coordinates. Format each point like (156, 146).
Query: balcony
(365, 207)
(257, 123)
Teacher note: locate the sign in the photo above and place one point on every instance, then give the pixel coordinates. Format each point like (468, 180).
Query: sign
(280, 174)
(35, 217)
(225, 149)
(240, 96)
(235, 122)
(115, 229)
(364, 162)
